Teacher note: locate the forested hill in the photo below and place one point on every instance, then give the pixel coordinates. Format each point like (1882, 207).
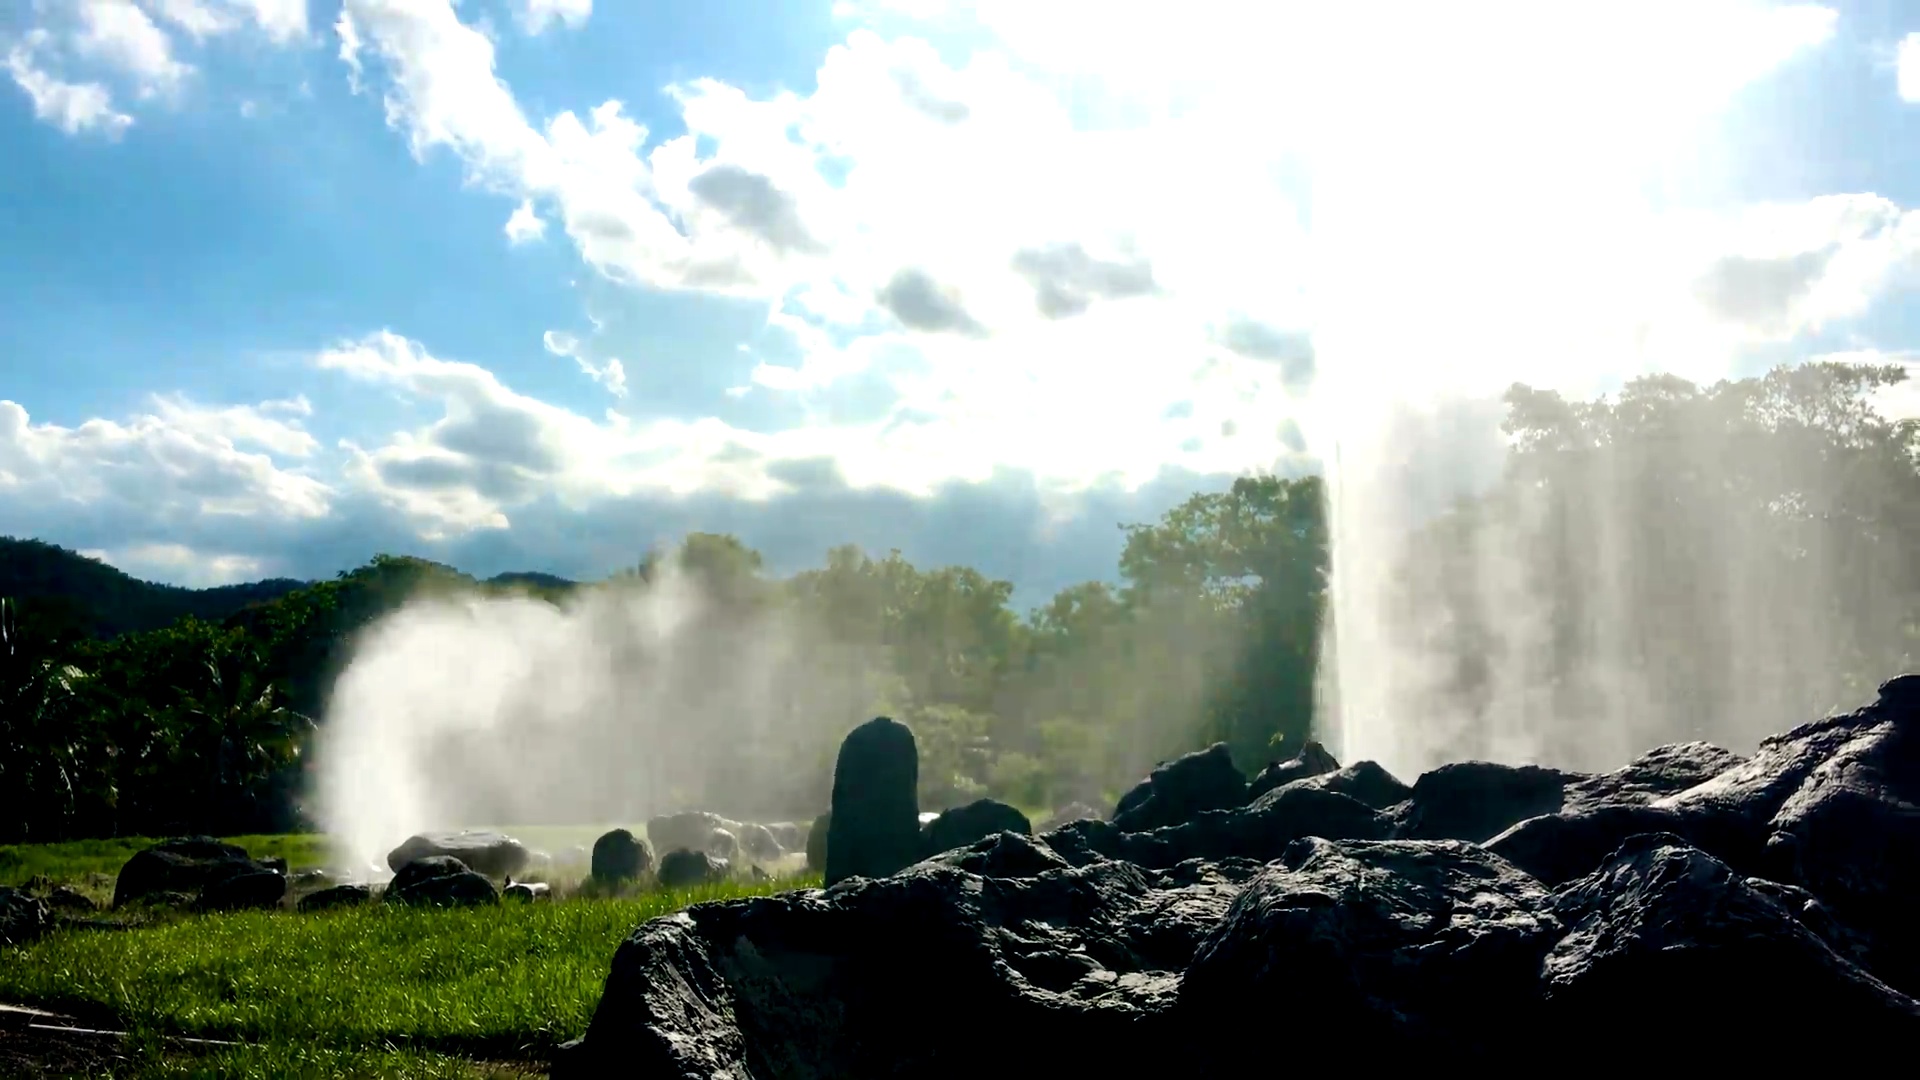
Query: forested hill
(76, 592)
(73, 592)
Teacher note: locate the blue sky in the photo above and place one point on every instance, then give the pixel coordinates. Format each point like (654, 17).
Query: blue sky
(535, 284)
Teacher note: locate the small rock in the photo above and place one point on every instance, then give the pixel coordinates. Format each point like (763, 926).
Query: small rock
(442, 881)
(759, 843)
(690, 830)
(1178, 790)
(683, 869)
(620, 856)
(722, 844)
(1073, 811)
(487, 853)
(1476, 800)
(335, 897)
(254, 889)
(525, 891)
(22, 917)
(789, 835)
(962, 825)
(1312, 760)
(311, 879)
(817, 843)
(64, 898)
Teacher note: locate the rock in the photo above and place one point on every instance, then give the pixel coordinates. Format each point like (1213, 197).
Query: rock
(440, 881)
(817, 843)
(689, 830)
(70, 900)
(875, 828)
(1403, 944)
(311, 879)
(620, 856)
(276, 863)
(1477, 800)
(1850, 834)
(1663, 771)
(1365, 782)
(1901, 695)
(336, 896)
(1073, 811)
(180, 866)
(759, 843)
(1556, 848)
(1663, 930)
(810, 984)
(684, 869)
(790, 835)
(722, 844)
(963, 825)
(22, 917)
(487, 853)
(1312, 760)
(1177, 790)
(525, 892)
(253, 889)
(1645, 909)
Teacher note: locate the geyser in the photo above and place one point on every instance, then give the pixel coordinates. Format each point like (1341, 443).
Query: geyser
(1661, 570)
(631, 698)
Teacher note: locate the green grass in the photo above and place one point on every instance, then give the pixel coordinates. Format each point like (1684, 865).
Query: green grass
(91, 865)
(148, 1058)
(506, 982)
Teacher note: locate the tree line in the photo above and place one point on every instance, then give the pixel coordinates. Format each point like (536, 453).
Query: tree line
(1638, 525)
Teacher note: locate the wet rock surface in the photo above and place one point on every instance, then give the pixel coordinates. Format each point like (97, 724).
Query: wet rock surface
(683, 869)
(440, 881)
(185, 868)
(23, 917)
(489, 854)
(1692, 908)
(619, 856)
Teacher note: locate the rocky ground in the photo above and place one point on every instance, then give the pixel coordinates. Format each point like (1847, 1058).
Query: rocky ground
(1694, 907)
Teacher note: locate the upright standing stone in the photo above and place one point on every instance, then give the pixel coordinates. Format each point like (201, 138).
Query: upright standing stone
(874, 827)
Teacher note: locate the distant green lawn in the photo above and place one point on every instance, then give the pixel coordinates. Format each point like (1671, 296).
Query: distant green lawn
(504, 983)
(374, 991)
(91, 865)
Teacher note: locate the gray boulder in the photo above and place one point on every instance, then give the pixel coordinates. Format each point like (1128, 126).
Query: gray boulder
(181, 867)
(336, 896)
(440, 881)
(620, 856)
(684, 869)
(874, 829)
(491, 854)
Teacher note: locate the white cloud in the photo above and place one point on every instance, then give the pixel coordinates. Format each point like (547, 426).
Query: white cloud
(198, 18)
(120, 34)
(282, 21)
(71, 107)
(1908, 66)
(179, 463)
(537, 15)
(610, 373)
(524, 226)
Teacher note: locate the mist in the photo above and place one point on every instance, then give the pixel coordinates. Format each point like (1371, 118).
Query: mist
(628, 699)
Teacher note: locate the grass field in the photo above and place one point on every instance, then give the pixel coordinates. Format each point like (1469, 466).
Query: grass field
(367, 991)
(90, 865)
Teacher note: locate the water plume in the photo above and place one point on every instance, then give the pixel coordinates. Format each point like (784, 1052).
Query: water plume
(625, 700)
(1663, 568)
